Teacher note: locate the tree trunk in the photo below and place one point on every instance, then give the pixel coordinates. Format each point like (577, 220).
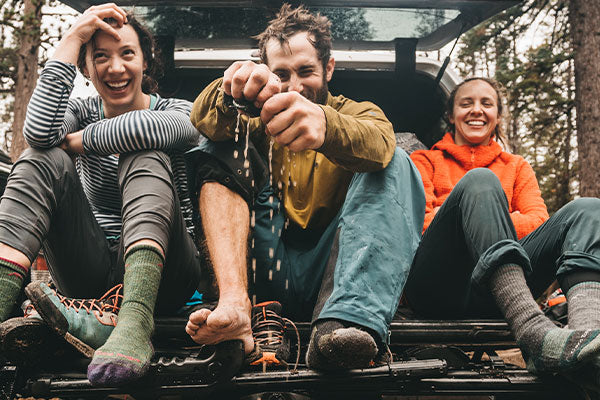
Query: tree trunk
(585, 31)
(27, 71)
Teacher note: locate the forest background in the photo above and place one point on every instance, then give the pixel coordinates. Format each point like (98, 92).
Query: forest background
(545, 52)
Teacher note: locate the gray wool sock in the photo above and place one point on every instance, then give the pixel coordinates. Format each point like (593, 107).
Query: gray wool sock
(546, 347)
(584, 305)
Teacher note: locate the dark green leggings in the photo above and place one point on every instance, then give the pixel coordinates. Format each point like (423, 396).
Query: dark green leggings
(472, 234)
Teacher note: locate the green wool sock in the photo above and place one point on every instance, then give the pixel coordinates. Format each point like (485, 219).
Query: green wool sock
(583, 302)
(11, 283)
(547, 347)
(126, 354)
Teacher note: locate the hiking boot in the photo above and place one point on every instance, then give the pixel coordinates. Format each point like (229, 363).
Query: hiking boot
(336, 344)
(25, 340)
(271, 346)
(84, 323)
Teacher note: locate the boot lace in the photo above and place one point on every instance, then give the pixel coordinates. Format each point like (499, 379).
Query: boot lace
(109, 302)
(269, 328)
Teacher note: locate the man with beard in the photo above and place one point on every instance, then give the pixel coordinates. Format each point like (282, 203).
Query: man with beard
(310, 199)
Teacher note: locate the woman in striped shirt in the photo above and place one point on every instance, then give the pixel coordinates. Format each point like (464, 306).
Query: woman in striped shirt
(118, 210)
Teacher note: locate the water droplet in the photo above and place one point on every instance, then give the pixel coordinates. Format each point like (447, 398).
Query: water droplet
(235, 154)
(272, 228)
(253, 223)
(271, 199)
(279, 185)
(247, 173)
(253, 264)
(246, 164)
(278, 267)
(252, 242)
(271, 162)
(279, 234)
(271, 214)
(253, 299)
(271, 252)
(270, 274)
(286, 284)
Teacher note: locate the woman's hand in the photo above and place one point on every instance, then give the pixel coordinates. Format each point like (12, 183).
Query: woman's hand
(84, 28)
(73, 143)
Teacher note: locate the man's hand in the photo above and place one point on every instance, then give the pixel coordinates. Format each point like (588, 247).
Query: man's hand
(73, 143)
(251, 81)
(294, 121)
(230, 320)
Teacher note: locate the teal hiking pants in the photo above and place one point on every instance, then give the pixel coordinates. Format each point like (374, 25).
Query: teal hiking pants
(356, 269)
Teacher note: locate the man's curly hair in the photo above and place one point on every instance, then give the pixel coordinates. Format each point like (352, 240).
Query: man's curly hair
(290, 21)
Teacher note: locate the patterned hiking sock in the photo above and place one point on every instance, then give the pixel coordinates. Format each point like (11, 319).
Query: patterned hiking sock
(12, 276)
(336, 344)
(126, 354)
(583, 305)
(546, 347)
(583, 302)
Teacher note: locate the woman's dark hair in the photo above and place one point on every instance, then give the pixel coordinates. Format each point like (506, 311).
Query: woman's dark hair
(150, 52)
(502, 109)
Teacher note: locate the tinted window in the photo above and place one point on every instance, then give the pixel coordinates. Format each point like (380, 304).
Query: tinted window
(377, 24)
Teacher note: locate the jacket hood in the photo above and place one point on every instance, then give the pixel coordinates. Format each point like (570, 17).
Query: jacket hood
(469, 157)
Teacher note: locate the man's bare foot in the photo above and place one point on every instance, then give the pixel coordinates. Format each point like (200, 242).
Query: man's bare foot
(230, 320)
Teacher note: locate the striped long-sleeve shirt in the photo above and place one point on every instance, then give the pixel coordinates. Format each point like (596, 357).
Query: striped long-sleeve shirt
(51, 115)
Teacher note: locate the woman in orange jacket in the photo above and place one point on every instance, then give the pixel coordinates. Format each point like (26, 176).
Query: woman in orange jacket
(489, 247)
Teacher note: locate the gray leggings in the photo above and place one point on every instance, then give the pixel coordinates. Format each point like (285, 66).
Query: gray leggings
(44, 204)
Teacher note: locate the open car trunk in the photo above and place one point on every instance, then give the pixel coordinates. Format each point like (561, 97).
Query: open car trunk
(199, 39)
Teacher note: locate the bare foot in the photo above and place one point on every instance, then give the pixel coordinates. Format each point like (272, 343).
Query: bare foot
(230, 320)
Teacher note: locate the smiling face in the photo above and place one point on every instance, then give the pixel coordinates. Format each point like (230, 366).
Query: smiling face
(116, 68)
(475, 113)
(297, 64)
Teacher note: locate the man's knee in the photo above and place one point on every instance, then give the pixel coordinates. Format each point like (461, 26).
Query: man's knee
(212, 170)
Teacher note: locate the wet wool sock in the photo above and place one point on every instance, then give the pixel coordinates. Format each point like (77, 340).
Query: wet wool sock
(336, 344)
(583, 302)
(126, 354)
(546, 347)
(11, 283)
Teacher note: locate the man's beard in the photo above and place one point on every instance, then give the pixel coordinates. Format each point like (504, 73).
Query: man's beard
(318, 96)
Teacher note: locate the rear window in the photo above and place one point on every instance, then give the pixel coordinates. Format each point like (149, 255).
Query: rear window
(354, 24)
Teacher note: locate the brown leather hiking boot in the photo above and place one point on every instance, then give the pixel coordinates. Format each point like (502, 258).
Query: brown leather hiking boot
(27, 340)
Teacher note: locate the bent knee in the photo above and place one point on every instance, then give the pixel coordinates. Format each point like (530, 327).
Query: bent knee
(585, 207)
(151, 163)
(53, 159)
(479, 180)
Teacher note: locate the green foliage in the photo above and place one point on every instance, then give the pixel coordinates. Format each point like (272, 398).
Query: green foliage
(539, 81)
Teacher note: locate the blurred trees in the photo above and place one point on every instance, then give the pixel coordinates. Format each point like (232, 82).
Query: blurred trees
(24, 43)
